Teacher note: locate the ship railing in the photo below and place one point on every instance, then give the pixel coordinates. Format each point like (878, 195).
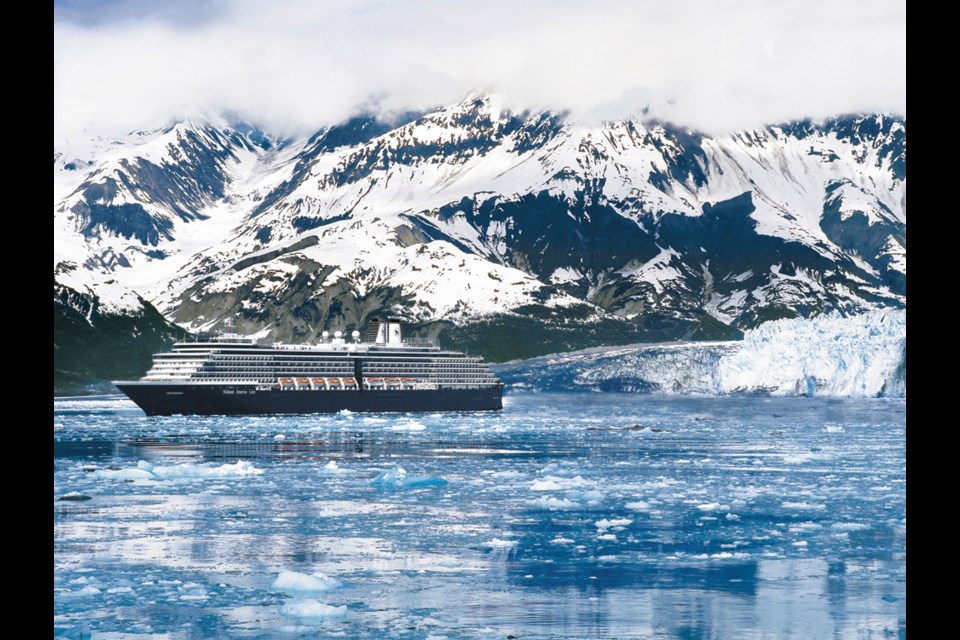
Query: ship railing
(420, 342)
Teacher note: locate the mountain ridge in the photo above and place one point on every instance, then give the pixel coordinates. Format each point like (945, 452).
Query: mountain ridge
(469, 214)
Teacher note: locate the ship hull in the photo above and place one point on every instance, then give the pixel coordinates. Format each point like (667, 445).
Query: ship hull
(187, 399)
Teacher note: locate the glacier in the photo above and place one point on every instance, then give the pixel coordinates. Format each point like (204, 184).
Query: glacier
(829, 355)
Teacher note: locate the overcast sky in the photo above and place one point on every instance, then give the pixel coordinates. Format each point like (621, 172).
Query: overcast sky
(296, 65)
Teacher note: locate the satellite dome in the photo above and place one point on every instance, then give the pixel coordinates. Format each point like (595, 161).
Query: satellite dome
(325, 334)
(337, 334)
(355, 334)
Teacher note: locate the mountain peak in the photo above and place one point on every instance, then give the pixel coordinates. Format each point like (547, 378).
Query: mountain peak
(474, 211)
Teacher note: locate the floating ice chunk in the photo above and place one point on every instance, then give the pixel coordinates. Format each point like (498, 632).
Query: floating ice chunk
(553, 504)
(545, 485)
(138, 473)
(240, 468)
(607, 536)
(331, 466)
(409, 425)
(833, 428)
(556, 483)
(732, 517)
(639, 505)
(192, 591)
(713, 506)
(508, 475)
(592, 497)
(804, 506)
(398, 479)
(120, 590)
(497, 543)
(301, 583)
(88, 590)
(562, 540)
(312, 609)
(802, 458)
(616, 523)
(147, 471)
(849, 526)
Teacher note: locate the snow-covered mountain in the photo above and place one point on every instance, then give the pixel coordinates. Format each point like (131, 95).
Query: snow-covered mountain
(102, 331)
(472, 218)
(828, 355)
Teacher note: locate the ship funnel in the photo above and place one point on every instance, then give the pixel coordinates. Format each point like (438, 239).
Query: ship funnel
(385, 332)
(393, 331)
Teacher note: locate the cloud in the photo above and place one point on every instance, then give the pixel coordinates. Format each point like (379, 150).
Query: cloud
(296, 65)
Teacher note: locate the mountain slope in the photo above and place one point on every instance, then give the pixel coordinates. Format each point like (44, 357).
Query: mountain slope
(478, 223)
(102, 334)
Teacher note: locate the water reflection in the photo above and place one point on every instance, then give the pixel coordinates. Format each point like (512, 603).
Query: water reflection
(727, 522)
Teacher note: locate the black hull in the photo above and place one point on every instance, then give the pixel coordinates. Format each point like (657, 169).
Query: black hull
(173, 399)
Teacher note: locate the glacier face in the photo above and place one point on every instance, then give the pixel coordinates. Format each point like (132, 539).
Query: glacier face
(471, 211)
(830, 355)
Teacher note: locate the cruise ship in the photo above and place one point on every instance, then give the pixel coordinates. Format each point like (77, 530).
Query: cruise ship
(234, 375)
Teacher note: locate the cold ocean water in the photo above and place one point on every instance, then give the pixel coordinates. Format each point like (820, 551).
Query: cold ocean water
(564, 516)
